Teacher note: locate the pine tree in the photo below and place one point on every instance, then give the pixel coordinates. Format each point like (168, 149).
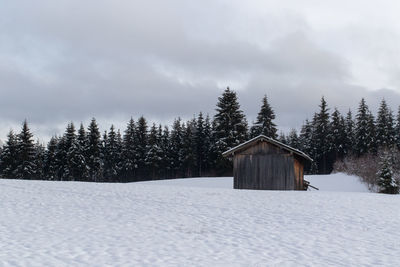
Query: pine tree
(385, 132)
(202, 140)
(70, 153)
(154, 153)
(25, 154)
(112, 155)
(306, 145)
(349, 134)
(94, 152)
(209, 155)
(337, 136)
(364, 138)
(264, 123)
(129, 164)
(81, 160)
(141, 145)
(321, 125)
(188, 149)
(373, 147)
(386, 180)
(293, 139)
(177, 156)
(50, 164)
(167, 152)
(8, 162)
(282, 138)
(230, 128)
(40, 153)
(397, 129)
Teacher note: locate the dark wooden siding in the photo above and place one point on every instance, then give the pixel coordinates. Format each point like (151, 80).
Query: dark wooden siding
(299, 173)
(266, 166)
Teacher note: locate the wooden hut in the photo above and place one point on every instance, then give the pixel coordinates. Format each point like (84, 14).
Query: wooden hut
(264, 163)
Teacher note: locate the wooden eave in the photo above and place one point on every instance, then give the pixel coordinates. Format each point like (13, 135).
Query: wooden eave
(263, 138)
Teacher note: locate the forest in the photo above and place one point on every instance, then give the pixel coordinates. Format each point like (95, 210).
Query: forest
(193, 148)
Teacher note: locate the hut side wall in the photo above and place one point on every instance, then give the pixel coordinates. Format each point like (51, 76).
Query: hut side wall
(264, 166)
(299, 174)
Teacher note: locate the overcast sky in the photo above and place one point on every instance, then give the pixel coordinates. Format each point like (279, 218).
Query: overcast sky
(69, 60)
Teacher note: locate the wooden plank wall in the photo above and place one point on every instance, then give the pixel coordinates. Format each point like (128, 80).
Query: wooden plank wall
(265, 166)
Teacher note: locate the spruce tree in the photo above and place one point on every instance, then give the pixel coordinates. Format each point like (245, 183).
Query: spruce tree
(50, 164)
(8, 162)
(167, 152)
(397, 129)
(230, 128)
(188, 149)
(337, 136)
(349, 142)
(141, 145)
(26, 168)
(373, 147)
(364, 124)
(70, 153)
(293, 139)
(321, 125)
(154, 153)
(40, 154)
(177, 156)
(94, 152)
(82, 168)
(129, 164)
(264, 123)
(282, 138)
(112, 155)
(386, 181)
(385, 132)
(202, 139)
(209, 156)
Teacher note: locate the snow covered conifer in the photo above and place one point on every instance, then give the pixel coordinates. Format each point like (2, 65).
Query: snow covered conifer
(386, 181)
(154, 153)
(166, 148)
(39, 160)
(50, 164)
(94, 152)
(129, 165)
(385, 133)
(349, 134)
(230, 127)
(82, 169)
(264, 123)
(364, 138)
(293, 139)
(202, 137)
(321, 132)
(282, 138)
(26, 168)
(112, 155)
(397, 129)
(141, 145)
(176, 139)
(189, 149)
(337, 135)
(8, 158)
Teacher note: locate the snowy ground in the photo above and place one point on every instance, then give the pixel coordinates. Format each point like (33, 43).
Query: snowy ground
(195, 222)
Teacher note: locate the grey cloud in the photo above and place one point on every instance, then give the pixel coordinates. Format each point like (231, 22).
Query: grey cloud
(69, 60)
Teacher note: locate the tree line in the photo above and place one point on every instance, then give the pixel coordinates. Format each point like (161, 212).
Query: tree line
(141, 152)
(194, 147)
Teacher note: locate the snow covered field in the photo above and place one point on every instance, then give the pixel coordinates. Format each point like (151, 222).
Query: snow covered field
(196, 222)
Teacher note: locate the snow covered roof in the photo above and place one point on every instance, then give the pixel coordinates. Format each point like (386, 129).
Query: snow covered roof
(266, 139)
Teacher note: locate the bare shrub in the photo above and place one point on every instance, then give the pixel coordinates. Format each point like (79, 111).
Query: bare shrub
(367, 166)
